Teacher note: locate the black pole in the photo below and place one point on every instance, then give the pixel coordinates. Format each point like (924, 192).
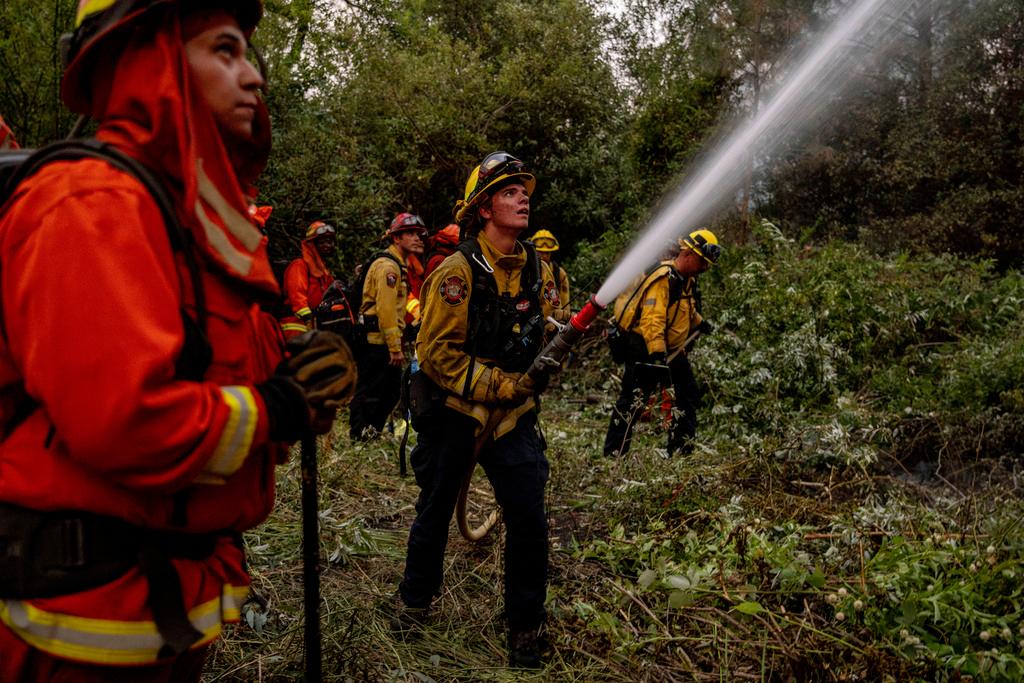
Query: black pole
(311, 559)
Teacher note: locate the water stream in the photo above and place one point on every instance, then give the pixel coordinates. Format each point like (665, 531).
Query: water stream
(804, 92)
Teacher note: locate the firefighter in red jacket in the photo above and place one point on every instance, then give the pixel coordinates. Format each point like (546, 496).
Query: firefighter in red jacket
(307, 278)
(143, 415)
(442, 245)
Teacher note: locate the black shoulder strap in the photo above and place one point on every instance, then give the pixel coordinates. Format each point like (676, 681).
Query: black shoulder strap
(388, 255)
(196, 353)
(642, 287)
(69, 150)
(483, 281)
(532, 268)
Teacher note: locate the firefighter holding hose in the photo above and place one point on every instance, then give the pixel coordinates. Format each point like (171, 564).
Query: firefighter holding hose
(484, 313)
(653, 323)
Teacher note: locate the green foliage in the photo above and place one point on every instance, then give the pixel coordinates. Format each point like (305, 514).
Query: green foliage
(833, 370)
(928, 154)
(424, 91)
(30, 69)
(952, 602)
(852, 342)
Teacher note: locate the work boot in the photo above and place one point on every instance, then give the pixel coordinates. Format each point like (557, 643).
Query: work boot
(406, 622)
(525, 648)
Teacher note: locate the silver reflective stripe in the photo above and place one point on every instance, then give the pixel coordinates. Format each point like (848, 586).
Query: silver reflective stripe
(104, 640)
(218, 240)
(243, 230)
(51, 629)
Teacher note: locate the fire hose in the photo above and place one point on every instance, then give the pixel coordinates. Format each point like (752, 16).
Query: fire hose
(544, 365)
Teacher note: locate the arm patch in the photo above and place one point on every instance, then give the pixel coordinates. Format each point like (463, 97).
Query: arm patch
(453, 290)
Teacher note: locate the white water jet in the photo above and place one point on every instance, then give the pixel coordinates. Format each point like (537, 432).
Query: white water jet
(813, 82)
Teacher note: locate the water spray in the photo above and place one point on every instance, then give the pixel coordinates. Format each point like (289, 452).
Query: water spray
(815, 79)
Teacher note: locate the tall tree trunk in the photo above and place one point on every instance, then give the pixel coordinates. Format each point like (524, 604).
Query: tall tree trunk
(924, 24)
(755, 59)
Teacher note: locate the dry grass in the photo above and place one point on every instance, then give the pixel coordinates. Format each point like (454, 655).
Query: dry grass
(603, 626)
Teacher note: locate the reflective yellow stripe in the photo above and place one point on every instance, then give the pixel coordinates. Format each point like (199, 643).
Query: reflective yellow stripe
(412, 306)
(303, 312)
(90, 7)
(293, 327)
(479, 370)
(236, 439)
(106, 641)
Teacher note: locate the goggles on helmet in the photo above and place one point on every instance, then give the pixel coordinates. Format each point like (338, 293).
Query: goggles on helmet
(408, 221)
(498, 164)
(319, 229)
(709, 251)
(495, 168)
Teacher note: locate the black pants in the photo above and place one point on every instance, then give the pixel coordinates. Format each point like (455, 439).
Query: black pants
(638, 383)
(377, 390)
(518, 472)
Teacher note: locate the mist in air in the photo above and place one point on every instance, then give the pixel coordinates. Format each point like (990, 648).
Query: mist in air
(810, 83)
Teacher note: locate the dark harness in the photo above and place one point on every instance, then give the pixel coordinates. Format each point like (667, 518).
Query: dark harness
(503, 328)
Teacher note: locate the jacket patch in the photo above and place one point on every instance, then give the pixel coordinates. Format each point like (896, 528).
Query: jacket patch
(523, 305)
(392, 279)
(551, 294)
(453, 290)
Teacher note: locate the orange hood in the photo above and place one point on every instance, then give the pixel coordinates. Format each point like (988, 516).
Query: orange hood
(148, 106)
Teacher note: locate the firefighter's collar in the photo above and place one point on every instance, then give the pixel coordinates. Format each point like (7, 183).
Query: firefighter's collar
(393, 249)
(514, 261)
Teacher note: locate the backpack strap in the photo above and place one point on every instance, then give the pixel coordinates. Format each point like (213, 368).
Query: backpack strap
(483, 281)
(196, 353)
(532, 268)
(642, 287)
(70, 150)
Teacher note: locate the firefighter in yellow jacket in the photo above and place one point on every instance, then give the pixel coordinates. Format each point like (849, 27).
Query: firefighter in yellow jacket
(382, 313)
(483, 323)
(655, 320)
(547, 246)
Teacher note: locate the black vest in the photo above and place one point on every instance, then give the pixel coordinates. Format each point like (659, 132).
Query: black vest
(506, 329)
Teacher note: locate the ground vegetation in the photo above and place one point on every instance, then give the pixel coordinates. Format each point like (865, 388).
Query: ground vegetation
(851, 512)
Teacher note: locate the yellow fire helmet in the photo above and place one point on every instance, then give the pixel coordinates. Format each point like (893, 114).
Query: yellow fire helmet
(496, 167)
(544, 240)
(703, 242)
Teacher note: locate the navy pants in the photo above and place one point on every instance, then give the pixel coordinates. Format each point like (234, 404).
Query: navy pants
(377, 390)
(518, 472)
(638, 383)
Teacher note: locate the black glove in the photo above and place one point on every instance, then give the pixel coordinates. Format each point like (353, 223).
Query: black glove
(287, 410)
(657, 358)
(304, 393)
(705, 327)
(324, 367)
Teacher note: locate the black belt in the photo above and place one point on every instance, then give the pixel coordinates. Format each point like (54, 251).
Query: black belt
(46, 554)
